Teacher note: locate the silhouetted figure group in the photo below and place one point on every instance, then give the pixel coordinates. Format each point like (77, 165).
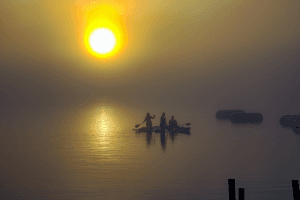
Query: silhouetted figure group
(163, 124)
(172, 127)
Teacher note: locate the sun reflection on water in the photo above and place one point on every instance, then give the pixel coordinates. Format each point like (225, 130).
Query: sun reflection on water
(105, 127)
(101, 136)
(105, 122)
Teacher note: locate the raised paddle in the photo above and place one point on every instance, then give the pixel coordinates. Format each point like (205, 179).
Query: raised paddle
(136, 126)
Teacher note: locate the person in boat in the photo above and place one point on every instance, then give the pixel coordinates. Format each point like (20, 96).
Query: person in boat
(172, 123)
(148, 121)
(163, 123)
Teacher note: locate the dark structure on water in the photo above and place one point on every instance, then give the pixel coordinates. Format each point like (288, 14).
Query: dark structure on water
(291, 121)
(231, 190)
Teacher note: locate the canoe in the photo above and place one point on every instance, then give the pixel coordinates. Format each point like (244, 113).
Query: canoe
(144, 129)
(225, 114)
(156, 129)
(246, 118)
(181, 129)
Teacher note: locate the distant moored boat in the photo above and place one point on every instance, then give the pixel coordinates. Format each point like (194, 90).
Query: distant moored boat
(247, 118)
(290, 120)
(225, 114)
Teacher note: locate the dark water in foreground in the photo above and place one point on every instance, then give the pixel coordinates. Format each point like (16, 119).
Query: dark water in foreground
(91, 152)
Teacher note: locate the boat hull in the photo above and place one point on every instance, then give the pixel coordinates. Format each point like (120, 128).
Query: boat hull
(158, 130)
(176, 130)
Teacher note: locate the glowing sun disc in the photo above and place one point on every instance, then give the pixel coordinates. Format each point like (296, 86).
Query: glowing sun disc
(102, 40)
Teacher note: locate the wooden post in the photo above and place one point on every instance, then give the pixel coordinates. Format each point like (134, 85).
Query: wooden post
(241, 193)
(231, 189)
(296, 193)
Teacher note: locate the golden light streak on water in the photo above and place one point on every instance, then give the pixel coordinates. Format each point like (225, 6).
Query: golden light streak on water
(102, 133)
(106, 125)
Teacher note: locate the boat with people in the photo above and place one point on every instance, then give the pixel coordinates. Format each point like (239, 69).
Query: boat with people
(172, 127)
(157, 129)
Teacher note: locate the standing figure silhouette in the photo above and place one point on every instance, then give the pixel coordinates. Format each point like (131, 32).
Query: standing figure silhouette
(173, 125)
(163, 123)
(148, 121)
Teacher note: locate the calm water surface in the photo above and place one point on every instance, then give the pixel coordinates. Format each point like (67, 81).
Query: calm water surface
(91, 152)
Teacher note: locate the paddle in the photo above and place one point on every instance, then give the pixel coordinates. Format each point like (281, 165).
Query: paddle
(136, 126)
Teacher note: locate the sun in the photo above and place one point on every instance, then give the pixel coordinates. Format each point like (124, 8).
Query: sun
(102, 41)
(105, 33)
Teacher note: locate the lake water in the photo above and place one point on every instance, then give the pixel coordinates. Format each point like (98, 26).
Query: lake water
(89, 151)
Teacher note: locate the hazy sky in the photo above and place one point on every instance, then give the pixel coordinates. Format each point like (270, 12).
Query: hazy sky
(219, 54)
